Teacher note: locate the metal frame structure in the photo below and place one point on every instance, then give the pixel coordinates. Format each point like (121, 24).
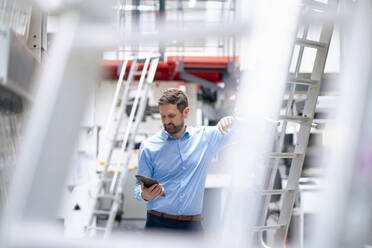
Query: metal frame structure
(13, 54)
(37, 34)
(42, 167)
(74, 65)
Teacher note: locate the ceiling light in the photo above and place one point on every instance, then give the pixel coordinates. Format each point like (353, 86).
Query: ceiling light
(191, 3)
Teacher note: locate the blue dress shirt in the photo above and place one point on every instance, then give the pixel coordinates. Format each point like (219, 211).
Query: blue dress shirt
(180, 165)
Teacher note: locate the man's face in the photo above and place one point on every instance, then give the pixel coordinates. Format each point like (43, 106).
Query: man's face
(172, 119)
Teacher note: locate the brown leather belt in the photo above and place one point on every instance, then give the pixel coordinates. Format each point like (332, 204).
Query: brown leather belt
(177, 217)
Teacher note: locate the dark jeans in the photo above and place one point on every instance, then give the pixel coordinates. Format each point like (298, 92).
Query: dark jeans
(154, 222)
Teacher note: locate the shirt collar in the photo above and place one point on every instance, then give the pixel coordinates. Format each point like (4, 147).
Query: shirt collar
(188, 133)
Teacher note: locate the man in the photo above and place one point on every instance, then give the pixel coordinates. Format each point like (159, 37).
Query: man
(178, 157)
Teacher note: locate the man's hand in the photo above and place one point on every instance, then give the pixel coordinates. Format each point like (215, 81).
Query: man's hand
(224, 124)
(151, 192)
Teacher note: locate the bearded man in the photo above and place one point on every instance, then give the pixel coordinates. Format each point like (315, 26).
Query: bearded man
(178, 157)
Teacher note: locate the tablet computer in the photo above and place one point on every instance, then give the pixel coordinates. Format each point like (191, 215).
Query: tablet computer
(147, 181)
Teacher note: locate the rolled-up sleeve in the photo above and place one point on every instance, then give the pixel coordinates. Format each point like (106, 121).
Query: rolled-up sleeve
(144, 169)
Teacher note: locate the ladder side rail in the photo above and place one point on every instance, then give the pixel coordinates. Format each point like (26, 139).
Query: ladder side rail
(309, 109)
(139, 116)
(111, 219)
(110, 117)
(293, 86)
(141, 110)
(108, 124)
(313, 93)
(287, 111)
(143, 103)
(288, 199)
(292, 91)
(130, 123)
(109, 155)
(118, 185)
(280, 144)
(121, 111)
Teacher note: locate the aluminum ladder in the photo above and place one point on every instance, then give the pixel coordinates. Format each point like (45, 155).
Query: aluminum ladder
(313, 83)
(114, 183)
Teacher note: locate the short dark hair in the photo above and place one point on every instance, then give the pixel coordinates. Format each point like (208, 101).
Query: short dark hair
(174, 96)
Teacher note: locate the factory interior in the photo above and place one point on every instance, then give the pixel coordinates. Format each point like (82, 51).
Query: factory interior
(80, 83)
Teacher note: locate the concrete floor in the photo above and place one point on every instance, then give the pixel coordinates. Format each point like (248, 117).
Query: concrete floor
(126, 225)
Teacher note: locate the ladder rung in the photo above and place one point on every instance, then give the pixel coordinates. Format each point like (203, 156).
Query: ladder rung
(277, 191)
(263, 228)
(285, 155)
(304, 81)
(105, 212)
(112, 164)
(295, 118)
(296, 211)
(108, 196)
(97, 228)
(137, 73)
(106, 179)
(112, 169)
(316, 4)
(311, 43)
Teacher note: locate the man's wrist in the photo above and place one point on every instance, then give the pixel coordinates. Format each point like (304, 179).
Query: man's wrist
(143, 197)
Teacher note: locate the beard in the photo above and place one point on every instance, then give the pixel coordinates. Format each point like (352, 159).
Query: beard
(173, 129)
